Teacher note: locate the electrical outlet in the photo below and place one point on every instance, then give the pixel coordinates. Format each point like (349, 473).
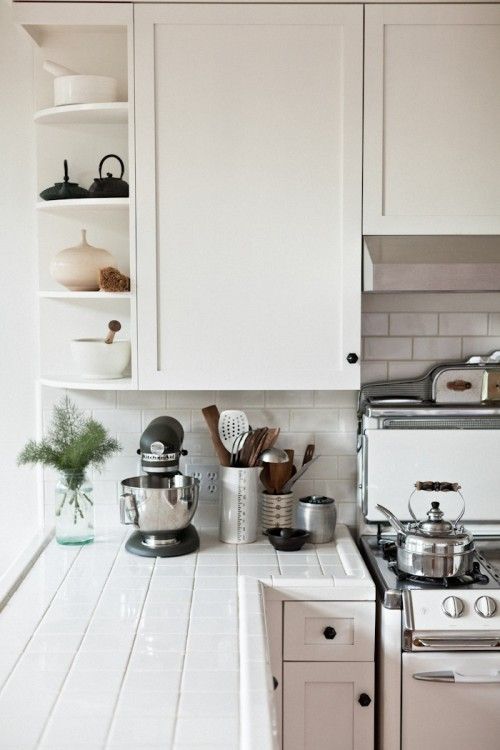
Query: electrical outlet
(208, 474)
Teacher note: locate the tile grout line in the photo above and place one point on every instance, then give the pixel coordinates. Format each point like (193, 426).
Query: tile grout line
(179, 694)
(50, 713)
(4, 684)
(127, 663)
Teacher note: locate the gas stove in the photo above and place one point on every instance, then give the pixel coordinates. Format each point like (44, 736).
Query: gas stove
(438, 640)
(380, 556)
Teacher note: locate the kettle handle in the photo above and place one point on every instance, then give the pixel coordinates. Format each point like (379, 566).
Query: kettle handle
(111, 156)
(438, 487)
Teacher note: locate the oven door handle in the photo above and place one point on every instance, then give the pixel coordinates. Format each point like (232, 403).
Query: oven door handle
(457, 643)
(493, 675)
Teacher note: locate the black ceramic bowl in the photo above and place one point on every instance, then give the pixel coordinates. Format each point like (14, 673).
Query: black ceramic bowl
(287, 540)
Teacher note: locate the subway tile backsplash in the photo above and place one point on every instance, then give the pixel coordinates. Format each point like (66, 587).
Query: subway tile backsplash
(403, 336)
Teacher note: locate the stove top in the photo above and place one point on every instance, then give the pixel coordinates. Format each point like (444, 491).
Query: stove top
(380, 557)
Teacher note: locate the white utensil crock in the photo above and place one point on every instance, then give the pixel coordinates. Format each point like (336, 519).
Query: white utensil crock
(239, 507)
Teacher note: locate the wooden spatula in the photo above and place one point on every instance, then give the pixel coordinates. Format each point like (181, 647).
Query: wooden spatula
(211, 414)
(308, 454)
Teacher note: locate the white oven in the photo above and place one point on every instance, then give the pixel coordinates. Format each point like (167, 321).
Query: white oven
(456, 705)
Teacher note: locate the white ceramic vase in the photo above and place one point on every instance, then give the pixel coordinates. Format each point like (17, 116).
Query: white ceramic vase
(77, 268)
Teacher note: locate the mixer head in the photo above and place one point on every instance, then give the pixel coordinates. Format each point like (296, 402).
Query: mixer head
(161, 446)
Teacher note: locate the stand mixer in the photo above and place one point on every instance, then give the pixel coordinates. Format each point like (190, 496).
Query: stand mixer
(162, 502)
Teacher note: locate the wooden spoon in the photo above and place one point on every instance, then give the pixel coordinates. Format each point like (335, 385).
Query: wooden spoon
(279, 474)
(265, 478)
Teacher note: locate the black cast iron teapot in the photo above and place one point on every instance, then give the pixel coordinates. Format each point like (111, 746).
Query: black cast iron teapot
(109, 186)
(64, 190)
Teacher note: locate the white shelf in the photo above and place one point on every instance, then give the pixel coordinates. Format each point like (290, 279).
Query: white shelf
(85, 295)
(123, 384)
(82, 204)
(109, 113)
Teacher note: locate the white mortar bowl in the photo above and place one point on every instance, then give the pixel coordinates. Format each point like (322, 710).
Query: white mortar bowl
(84, 89)
(97, 360)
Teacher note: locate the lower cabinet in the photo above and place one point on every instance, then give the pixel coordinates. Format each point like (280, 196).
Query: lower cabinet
(328, 705)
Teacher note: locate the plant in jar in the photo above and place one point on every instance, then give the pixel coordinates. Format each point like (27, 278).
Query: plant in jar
(74, 442)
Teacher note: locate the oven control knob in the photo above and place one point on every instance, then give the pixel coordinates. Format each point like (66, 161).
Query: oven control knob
(485, 606)
(452, 606)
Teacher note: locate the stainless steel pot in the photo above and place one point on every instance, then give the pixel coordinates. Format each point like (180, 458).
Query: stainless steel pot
(318, 515)
(433, 548)
(159, 504)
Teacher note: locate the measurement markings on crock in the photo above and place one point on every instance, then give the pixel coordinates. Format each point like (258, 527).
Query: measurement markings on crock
(242, 506)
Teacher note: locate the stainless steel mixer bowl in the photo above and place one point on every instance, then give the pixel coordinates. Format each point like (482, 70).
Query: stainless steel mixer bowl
(158, 504)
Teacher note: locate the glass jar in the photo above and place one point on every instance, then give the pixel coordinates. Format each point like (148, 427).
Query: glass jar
(74, 509)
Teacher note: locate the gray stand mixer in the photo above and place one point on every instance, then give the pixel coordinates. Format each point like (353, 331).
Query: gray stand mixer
(162, 502)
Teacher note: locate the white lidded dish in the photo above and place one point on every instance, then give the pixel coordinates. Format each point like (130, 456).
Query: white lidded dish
(75, 88)
(97, 360)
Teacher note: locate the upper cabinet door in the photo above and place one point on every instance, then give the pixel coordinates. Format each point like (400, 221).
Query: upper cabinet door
(248, 146)
(432, 119)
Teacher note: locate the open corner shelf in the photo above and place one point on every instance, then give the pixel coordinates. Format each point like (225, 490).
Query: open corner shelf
(110, 113)
(83, 204)
(123, 384)
(85, 295)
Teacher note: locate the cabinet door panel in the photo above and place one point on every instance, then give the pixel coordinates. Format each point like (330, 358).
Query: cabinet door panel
(432, 119)
(321, 709)
(248, 122)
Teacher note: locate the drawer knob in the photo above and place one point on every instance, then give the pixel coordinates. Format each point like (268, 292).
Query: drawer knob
(352, 358)
(364, 700)
(329, 633)
(275, 683)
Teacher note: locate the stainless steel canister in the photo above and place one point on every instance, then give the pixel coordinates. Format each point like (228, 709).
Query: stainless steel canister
(318, 515)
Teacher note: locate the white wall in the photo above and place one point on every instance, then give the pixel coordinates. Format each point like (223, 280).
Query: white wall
(18, 504)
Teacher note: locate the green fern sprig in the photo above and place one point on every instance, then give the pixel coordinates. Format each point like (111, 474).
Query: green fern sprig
(73, 443)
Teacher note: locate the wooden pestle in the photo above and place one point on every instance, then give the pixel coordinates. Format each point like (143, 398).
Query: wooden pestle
(114, 326)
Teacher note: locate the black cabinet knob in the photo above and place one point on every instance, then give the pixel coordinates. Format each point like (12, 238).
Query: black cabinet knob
(352, 358)
(364, 700)
(329, 633)
(275, 683)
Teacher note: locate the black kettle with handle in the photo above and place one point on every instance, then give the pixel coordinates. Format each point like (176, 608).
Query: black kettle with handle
(109, 186)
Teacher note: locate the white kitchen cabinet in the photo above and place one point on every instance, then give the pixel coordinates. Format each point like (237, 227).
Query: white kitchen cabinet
(248, 156)
(432, 119)
(328, 706)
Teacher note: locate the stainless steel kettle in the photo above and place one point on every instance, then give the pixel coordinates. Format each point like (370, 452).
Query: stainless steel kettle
(434, 547)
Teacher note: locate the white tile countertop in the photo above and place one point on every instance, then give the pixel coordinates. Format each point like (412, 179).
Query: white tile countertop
(101, 649)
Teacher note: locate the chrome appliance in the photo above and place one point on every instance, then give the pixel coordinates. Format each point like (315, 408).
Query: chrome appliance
(438, 645)
(161, 503)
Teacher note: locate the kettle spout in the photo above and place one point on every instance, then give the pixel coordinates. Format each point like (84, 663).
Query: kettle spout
(395, 522)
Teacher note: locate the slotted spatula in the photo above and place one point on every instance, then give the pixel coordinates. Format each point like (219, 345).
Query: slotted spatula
(232, 424)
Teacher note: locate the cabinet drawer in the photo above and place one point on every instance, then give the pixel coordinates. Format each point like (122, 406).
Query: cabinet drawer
(329, 631)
